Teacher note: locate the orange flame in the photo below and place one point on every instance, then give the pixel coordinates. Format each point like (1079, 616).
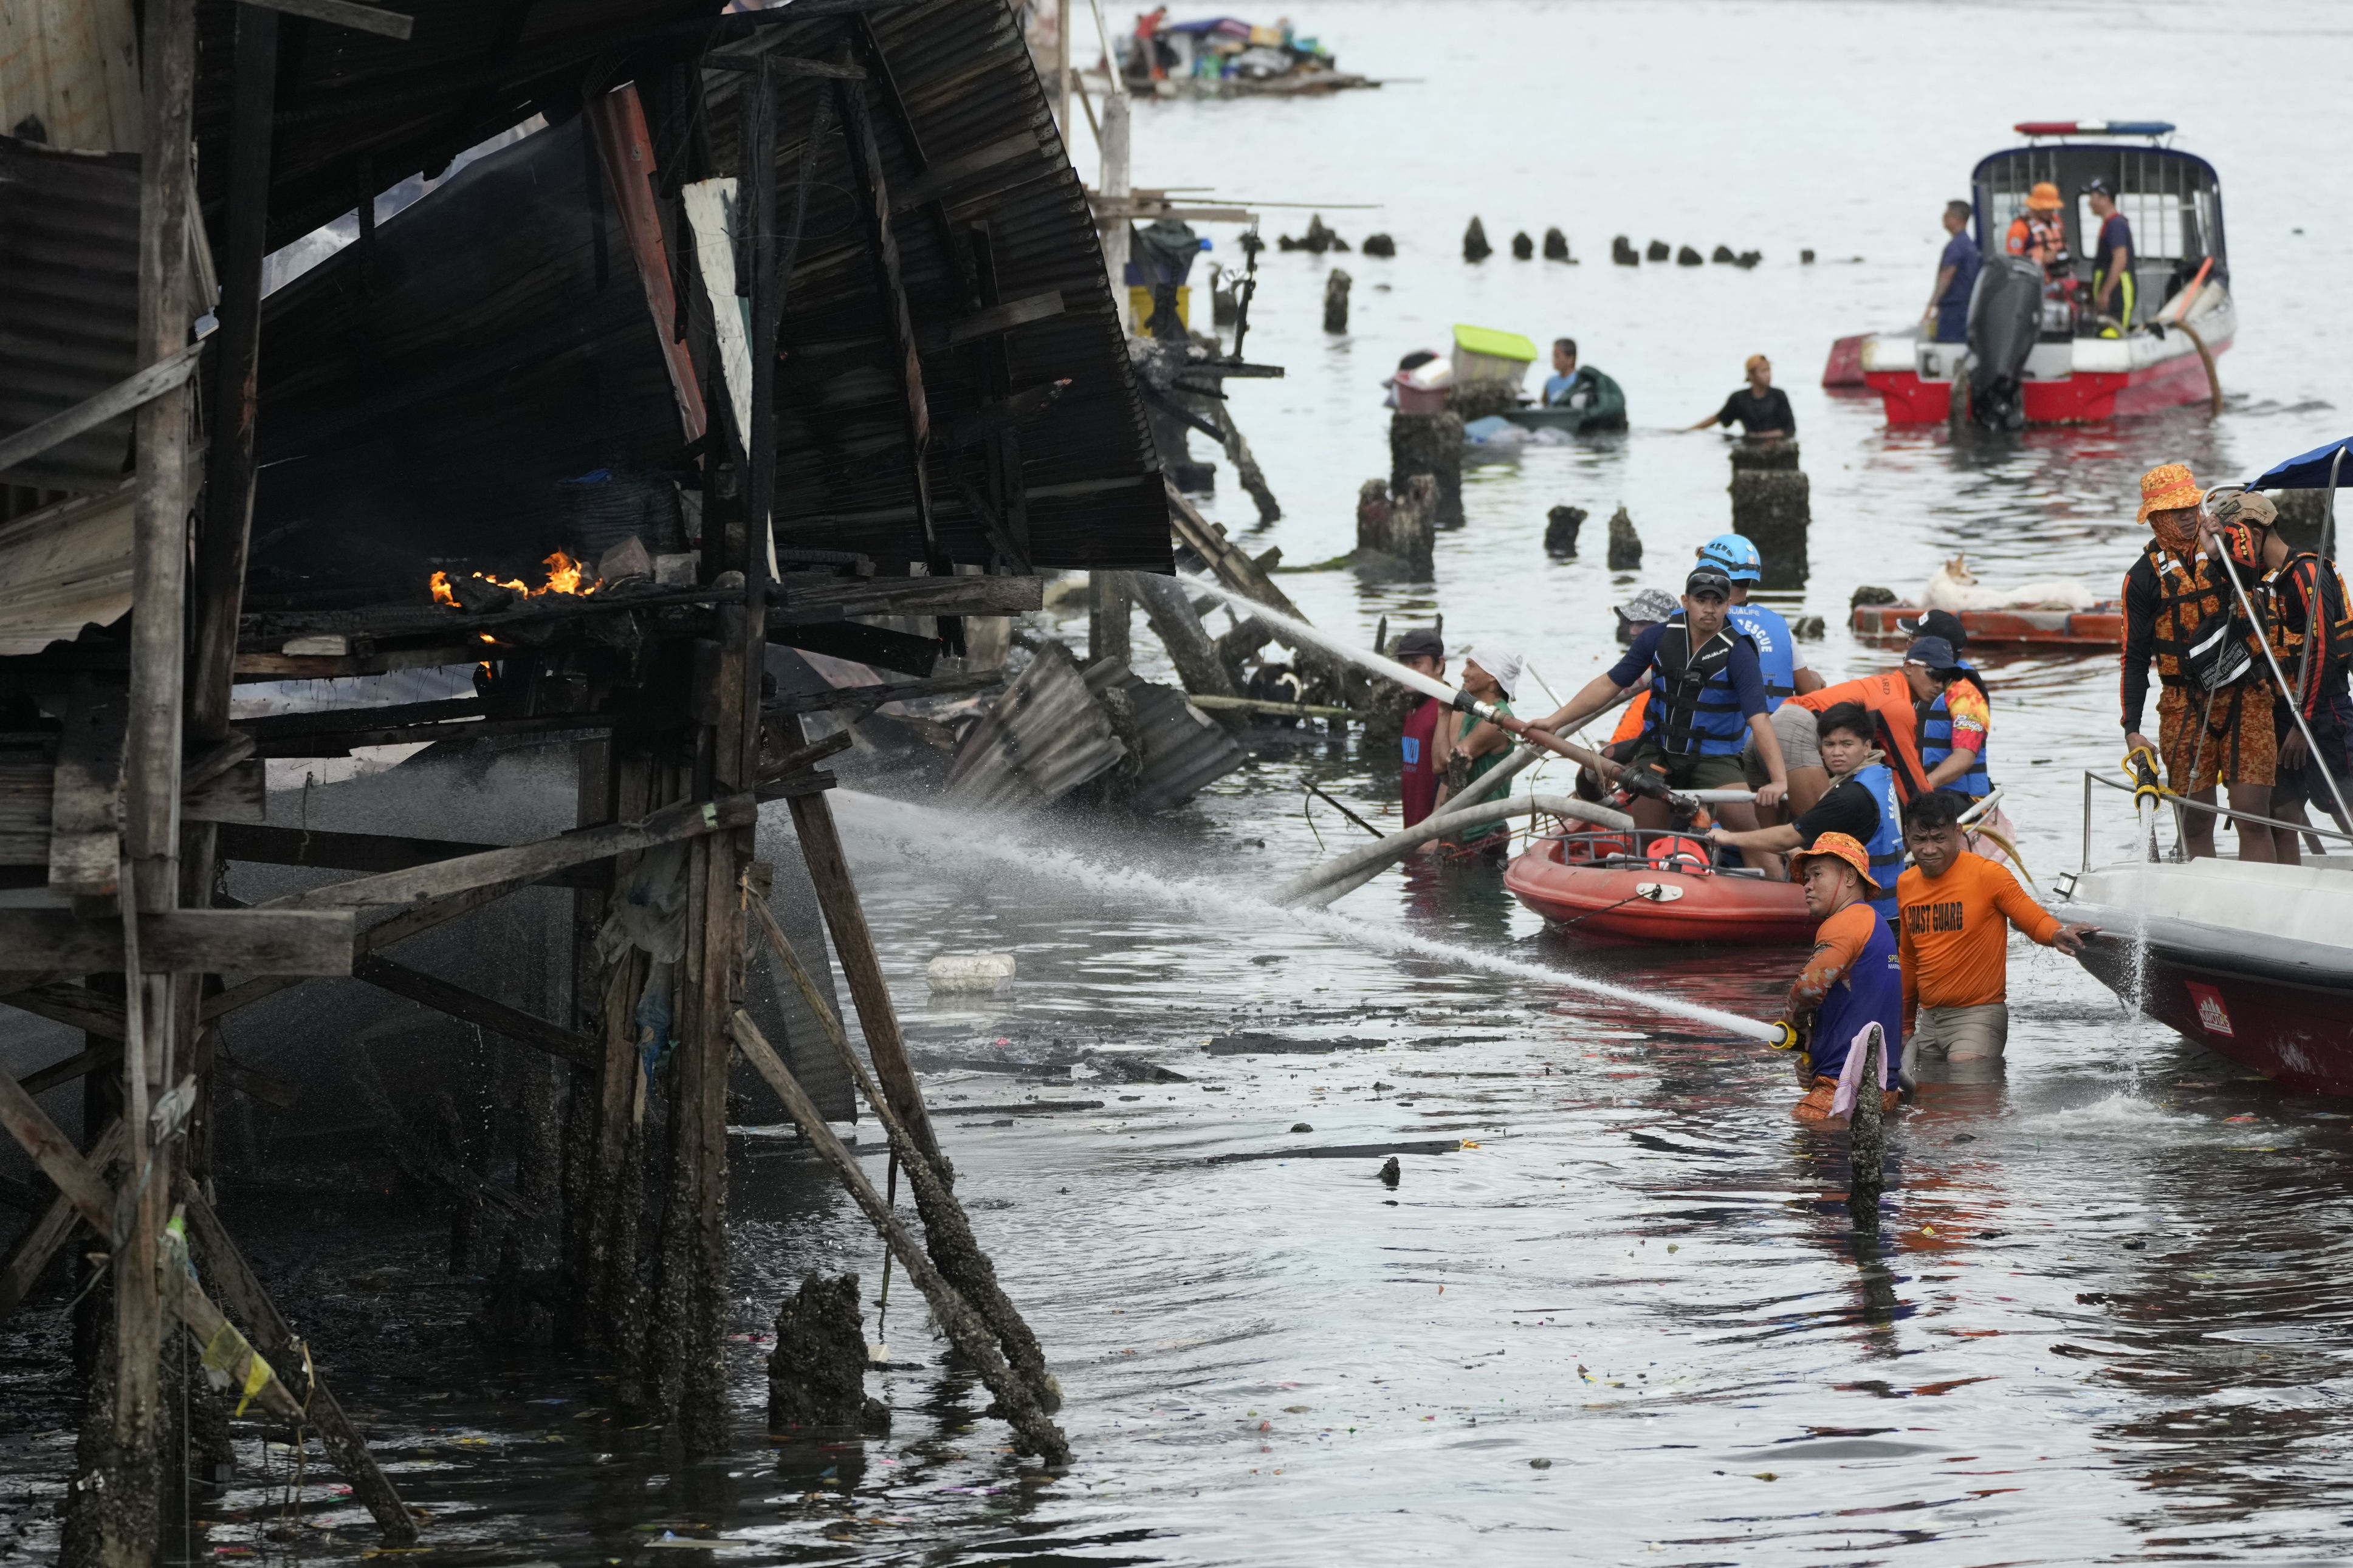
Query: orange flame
(565, 575)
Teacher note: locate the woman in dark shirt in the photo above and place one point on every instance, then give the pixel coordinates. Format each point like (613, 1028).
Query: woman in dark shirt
(1762, 408)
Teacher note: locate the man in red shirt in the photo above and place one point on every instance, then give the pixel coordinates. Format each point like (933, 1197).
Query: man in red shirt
(1424, 650)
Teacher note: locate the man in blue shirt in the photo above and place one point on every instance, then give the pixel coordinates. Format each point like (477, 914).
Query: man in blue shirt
(2112, 261)
(1956, 275)
(1561, 385)
(1707, 698)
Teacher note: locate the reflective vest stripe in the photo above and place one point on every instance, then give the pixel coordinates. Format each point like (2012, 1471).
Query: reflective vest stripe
(1886, 845)
(1695, 711)
(1936, 745)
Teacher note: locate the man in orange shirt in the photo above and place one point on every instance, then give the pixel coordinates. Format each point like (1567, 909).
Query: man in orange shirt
(1954, 912)
(1850, 982)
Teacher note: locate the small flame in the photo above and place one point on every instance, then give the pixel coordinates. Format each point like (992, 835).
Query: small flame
(565, 575)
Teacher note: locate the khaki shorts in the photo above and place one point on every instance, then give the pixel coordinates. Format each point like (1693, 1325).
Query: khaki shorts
(1690, 772)
(1800, 744)
(1977, 1034)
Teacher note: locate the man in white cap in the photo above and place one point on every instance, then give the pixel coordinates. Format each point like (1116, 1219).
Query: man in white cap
(1473, 748)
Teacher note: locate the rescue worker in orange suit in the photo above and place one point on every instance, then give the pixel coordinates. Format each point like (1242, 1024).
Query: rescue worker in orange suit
(2213, 720)
(2311, 653)
(1424, 650)
(1852, 980)
(2040, 234)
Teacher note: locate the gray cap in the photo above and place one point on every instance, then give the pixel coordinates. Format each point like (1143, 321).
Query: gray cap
(1421, 642)
(1651, 604)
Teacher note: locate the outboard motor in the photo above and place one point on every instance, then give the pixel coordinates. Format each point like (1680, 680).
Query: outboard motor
(2005, 319)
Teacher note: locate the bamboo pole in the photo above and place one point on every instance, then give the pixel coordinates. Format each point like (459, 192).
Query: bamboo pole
(946, 1227)
(1034, 1430)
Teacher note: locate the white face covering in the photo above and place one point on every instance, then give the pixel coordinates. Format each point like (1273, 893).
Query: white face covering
(1501, 661)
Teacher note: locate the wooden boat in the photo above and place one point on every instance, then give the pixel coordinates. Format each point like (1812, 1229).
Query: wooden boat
(2099, 629)
(1655, 889)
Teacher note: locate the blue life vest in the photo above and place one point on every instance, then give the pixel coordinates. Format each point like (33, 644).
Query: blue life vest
(1936, 741)
(1886, 845)
(1871, 992)
(1776, 652)
(1695, 711)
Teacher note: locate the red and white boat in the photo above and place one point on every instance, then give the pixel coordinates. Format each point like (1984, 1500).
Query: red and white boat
(2183, 315)
(1654, 889)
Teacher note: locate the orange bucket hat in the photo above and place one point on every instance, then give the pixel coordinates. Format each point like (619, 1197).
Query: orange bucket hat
(2169, 488)
(1841, 847)
(2043, 198)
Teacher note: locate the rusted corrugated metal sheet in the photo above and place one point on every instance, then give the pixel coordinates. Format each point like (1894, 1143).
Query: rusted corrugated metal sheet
(1181, 749)
(1046, 736)
(971, 95)
(69, 303)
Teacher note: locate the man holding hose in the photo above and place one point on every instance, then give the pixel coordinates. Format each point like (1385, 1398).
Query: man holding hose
(1707, 698)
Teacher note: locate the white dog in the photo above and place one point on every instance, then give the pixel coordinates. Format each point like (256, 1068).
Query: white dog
(1955, 587)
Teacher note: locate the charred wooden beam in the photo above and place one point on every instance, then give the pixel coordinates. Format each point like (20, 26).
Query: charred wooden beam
(264, 845)
(85, 838)
(28, 1257)
(269, 942)
(999, 319)
(843, 698)
(519, 863)
(473, 1007)
(937, 182)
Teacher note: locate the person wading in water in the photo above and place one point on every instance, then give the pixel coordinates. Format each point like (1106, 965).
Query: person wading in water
(1490, 673)
(1862, 804)
(1424, 650)
(1851, 980)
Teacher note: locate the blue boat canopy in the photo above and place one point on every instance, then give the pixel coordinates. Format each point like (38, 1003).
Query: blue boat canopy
(2311, 471)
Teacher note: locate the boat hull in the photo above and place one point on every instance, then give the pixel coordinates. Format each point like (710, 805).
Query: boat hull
(2080, 381)
(1628, 905)
(2249, 962)
(2100, 628)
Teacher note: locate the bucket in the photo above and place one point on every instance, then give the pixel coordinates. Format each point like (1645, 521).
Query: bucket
(1483, 354)
(970, 972)
(1425, 388)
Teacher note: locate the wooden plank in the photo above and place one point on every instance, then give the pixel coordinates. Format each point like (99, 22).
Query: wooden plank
(871, 696)
(936, 182)
(473, 1007)
(85, 840)
(344, 744)
(940, 596)
(1003, 318)
(55, 1154)
(166, 376)
(29, 1255)
(346, 720)
(381, 934)
(625, 150)
(344, 13)
(866, 156)
(267, 845)
(264, 940)
(294, 667)
(523, 862)
(241, 1288)
(237, 793)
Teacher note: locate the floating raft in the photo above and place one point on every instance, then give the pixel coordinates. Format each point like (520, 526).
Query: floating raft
(2101, 626)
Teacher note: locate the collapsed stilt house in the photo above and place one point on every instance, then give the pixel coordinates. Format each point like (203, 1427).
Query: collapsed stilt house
(781, 330)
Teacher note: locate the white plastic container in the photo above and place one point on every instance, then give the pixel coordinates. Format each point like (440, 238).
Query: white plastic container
(970, 972)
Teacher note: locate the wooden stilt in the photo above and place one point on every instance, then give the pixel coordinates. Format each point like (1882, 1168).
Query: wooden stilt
(853, 943)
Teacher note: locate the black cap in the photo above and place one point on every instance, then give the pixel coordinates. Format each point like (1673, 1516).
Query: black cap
(2098, 187)
(1938, 623)
(1709, 578)
(1421, 642)
(1933, 652)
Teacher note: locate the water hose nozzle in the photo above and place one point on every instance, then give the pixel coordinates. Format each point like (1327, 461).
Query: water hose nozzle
(2140, 766)
(1785, 1036)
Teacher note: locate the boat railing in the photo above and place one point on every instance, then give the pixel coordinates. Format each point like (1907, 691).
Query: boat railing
(2182, 803)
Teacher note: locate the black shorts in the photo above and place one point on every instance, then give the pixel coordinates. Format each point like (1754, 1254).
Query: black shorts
(2331, 729)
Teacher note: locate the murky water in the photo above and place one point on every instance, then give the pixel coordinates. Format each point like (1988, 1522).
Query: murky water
(1622, 1318)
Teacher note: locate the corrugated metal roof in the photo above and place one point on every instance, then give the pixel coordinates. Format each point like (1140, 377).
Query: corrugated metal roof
(68, 302)
(969, 85)
(421, 400)
(1045, 737)
(1183, 749)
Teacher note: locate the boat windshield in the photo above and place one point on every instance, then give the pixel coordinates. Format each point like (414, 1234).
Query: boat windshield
(2173, 201)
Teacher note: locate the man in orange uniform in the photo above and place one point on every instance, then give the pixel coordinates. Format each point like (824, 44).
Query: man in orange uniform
(2211, 726)
(2039, 233)
(1850, 982)
(1890, 702)
(1955, 911)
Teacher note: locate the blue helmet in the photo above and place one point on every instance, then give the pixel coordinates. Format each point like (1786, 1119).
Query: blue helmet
(1735, 555)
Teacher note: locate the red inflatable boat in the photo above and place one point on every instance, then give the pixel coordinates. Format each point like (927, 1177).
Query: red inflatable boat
(1598, 886)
